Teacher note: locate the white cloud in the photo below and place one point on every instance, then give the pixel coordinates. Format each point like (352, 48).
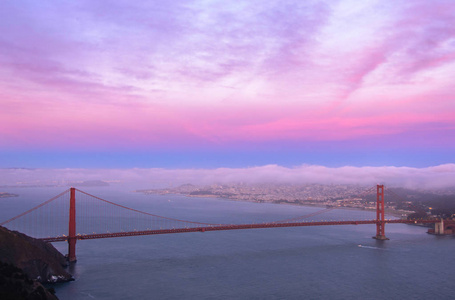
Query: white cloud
(441, 176)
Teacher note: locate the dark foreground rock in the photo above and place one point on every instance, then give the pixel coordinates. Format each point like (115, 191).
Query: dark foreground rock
(38, 260)
(16, 285)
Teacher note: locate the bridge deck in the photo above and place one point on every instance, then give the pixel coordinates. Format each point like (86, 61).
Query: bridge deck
(231, 227)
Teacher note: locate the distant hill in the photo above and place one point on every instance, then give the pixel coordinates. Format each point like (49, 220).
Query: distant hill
(88, 183)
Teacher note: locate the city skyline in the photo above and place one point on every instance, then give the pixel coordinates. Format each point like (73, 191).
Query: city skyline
(218, 84)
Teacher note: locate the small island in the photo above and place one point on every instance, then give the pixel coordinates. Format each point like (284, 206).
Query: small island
(7, 195)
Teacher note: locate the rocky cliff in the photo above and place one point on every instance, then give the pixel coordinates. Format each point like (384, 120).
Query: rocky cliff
(39, 260)
(16, 285)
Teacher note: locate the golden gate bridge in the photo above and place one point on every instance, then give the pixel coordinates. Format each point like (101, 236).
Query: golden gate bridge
(63, 218)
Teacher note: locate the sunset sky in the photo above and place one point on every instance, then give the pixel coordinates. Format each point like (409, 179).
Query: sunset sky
(207, 84)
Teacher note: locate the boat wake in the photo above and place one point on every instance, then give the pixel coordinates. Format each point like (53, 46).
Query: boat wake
(370, 247)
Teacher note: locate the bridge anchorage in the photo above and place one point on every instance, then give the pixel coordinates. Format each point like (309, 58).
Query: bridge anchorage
(96, 218)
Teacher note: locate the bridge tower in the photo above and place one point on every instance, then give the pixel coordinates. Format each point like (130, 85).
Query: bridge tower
(72, 227)
(380, 214)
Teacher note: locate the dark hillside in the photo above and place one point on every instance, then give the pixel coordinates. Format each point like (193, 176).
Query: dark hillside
(39, 260)
(16, 285)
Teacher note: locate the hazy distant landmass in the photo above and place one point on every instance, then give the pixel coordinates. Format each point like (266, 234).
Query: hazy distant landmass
(20, 185)
(88, 183)
(7, 195)
(398, 200)
(53, 184)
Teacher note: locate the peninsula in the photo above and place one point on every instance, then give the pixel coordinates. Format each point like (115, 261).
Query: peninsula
(399, 201)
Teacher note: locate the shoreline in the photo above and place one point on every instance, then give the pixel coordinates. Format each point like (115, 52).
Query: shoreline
(394, 213)
(387, 212)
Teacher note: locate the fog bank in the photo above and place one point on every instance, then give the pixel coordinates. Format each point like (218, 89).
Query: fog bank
(435, 177)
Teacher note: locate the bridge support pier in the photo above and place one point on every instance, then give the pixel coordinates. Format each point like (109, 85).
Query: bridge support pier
(72, 227)
(380, 214)
(439, 227)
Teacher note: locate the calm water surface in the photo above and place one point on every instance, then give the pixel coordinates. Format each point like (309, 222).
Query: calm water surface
(337, 262)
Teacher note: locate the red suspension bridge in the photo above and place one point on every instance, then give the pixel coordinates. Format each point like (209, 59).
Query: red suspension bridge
(55, 220)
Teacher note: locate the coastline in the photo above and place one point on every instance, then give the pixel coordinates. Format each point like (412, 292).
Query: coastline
(395, 213)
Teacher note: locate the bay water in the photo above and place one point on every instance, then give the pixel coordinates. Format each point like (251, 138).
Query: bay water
(328, 262)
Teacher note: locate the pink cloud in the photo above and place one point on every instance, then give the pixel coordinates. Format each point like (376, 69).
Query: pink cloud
(132, 75)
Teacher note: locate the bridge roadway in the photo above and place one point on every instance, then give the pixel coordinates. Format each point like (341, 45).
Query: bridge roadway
(231, 227)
